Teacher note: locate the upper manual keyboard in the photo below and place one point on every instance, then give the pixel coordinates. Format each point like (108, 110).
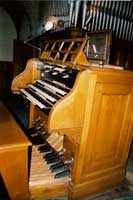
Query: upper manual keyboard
(55, 82)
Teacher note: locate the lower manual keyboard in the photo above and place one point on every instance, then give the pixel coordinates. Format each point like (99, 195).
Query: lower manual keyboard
(41, 173)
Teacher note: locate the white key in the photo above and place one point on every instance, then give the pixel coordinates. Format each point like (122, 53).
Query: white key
(42, 97)
(59, 69)
(48, 66)
(54, 73)
(66, 76)
(52, 87)
(42, 93)
(61, 84)
(32, 99)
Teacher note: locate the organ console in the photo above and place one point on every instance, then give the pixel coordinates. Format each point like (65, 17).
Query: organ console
(80, 121)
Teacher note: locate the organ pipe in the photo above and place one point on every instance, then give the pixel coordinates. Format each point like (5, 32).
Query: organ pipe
(105, 15)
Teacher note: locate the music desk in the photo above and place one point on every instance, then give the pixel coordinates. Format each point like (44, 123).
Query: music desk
(13, 156)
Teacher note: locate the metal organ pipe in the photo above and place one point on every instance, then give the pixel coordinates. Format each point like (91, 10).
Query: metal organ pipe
(96, 4)
(104, 21)
(111, 15)
(94, 15)
(104, 15)
(131, 21)
(126, 30)
(88, 17)
(120, 20)
(108, 15)
(71, 12)
(84, 13)
(132, 33)
(77, 6)
(126, 21)
(100, 15)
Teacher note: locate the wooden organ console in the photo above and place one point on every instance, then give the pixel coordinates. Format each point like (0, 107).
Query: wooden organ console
(80, 121)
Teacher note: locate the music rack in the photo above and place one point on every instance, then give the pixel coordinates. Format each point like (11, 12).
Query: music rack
(66, 50)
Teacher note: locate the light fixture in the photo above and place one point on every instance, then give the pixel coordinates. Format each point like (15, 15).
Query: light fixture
(51, 24)
(54, 23)
(48, 26)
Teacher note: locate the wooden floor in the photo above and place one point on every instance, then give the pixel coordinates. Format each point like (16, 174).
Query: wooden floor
(119, 193)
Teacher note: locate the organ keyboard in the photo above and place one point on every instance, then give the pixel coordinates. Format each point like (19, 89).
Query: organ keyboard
(79, 120)
(55, 82)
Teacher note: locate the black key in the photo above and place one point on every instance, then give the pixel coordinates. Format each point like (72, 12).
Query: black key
(62, 174)
(58, 167)
(36, 140)
(53, 159)
(56, 164)
(51, 154)
(43, 146)
(31, 131)
(44, 137)
(47, 149)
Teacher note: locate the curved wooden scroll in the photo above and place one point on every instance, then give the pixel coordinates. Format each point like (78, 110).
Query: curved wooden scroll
(29, 75)
(69, 111)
